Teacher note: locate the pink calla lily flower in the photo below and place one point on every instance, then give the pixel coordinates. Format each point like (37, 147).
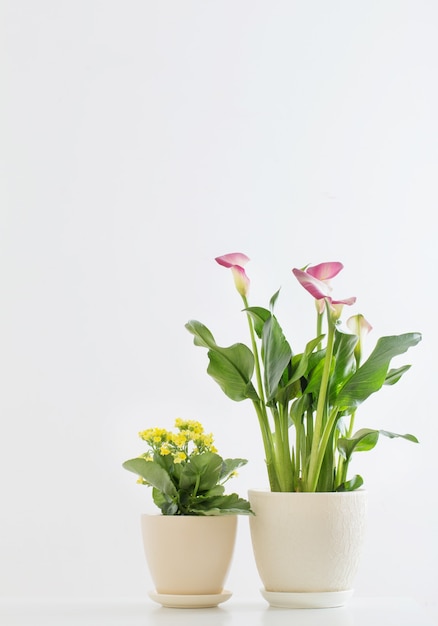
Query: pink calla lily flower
(235, 261)
(315, 280)
(316, 287)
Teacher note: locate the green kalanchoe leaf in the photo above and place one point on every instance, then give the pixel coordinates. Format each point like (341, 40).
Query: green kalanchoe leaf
(229, 466)
(218, 490)
(230, 504)
(202, 470)
(164, 503)
(153, 474)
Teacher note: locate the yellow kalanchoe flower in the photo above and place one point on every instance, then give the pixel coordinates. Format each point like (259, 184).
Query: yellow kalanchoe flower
(164, 450)
(179, 439)
(190, 439)
(190, 425)
(154, 435)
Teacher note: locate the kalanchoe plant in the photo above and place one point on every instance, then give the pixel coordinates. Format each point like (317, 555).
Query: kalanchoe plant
(185, 472)
(306, 401)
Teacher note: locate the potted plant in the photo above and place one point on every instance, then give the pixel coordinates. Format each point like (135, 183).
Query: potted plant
(189, 546)
(305, 402)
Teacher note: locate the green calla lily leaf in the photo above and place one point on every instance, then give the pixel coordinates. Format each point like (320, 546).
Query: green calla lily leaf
(351, 485)
(276, 355)
(366, 439)
(232, 367)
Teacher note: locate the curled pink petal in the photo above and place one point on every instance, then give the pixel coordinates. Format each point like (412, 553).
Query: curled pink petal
(320, 289)
(336, 306)
(315, 287)
(234, 258)
(325, 271)
(348, 301)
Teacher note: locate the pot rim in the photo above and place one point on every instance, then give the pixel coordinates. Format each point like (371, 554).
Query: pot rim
(189, 517)
(266, 491)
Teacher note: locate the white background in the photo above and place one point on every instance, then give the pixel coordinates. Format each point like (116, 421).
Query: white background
(141, 139)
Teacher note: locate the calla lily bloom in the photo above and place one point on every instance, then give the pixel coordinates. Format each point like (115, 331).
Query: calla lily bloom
(361, 327)
(316, 287)
(235, 261)
(315, 281)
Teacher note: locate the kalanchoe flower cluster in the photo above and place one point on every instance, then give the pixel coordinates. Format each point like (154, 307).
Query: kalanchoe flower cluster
(305, 401)
(186, 473)
(189, 439)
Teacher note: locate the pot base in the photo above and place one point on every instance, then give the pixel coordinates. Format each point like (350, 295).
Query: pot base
(188, 601)
(307, 600)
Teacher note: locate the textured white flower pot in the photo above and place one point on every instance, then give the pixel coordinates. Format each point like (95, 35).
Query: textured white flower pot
(307, 546)
(187, 554)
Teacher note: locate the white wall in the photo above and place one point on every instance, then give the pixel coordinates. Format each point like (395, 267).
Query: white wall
(142, 139)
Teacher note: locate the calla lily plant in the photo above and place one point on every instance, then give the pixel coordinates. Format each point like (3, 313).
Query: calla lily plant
(306, 400)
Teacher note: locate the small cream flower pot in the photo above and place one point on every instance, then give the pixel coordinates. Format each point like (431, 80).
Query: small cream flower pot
(307, 546)
(189, 557)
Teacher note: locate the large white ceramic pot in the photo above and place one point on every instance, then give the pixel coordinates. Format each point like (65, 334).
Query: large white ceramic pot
(307, 546)
(189, 557)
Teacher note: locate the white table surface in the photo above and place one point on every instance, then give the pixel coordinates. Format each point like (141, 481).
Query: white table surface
(234, 612)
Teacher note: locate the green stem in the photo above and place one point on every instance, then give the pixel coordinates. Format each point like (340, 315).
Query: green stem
(319, 318)
(268, 445)
(314, 465)
(323, 446)
(350, 428)
(341, 475)
(282, 449)
(298, 452)
(262, 414)
(195, 490)
(255, 351)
